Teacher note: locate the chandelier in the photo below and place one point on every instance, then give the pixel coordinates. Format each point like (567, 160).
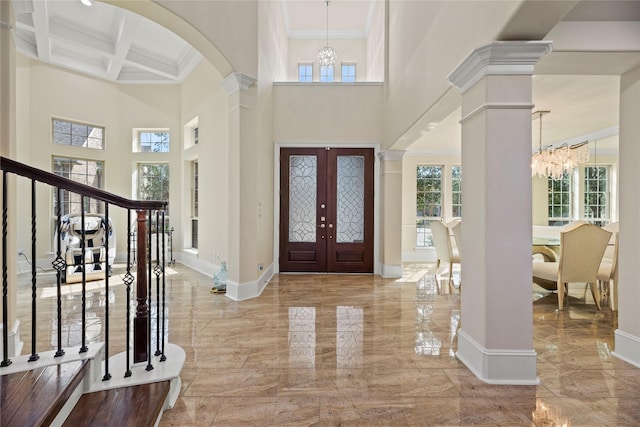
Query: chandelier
(327, 55)
(554, 162)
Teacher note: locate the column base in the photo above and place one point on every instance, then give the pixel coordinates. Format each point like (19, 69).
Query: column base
(391, 271)
(511, 367)
(248, 290)
(627, 347)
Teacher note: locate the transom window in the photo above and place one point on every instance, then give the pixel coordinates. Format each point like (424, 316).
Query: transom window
(326, 74)
(428, 202)
(152, 141)
(348, 72)
(305, 72)
(78, 134)
(88, 172)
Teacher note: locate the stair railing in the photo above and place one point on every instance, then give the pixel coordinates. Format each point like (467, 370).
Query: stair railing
(142, 324)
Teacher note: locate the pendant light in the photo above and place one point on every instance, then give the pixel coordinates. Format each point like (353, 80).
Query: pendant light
(327, 55)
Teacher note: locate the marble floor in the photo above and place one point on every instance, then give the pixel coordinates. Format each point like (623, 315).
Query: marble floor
(340, 350)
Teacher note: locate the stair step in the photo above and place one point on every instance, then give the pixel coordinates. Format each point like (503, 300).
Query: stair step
(34, 397)
(138, 405)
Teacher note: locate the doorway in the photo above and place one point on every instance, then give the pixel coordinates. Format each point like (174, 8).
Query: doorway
(326, 210)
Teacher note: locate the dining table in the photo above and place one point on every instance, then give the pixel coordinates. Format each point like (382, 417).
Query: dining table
(547, 247)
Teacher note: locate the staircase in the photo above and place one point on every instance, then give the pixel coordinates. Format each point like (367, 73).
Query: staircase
(70, 392)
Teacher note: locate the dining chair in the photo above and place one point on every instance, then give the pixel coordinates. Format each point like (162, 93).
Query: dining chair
(445, 252)
(608, 270)
(581, 249)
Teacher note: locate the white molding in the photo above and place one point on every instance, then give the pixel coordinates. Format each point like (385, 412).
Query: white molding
(496, 106)
(236, 81)
(508, 367)
(391, 155)
(328, 83)
(243, 291)
(498, 58)
(390, 271)
(627, 347)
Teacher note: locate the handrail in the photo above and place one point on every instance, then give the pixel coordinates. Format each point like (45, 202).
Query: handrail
(27, 171)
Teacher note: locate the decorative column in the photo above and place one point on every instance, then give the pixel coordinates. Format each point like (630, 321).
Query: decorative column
(243, 178)
(391, 213)
(495, 340)
(627, 336)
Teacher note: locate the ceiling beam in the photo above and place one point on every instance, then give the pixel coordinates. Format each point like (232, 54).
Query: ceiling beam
(41, 26)
(126, 31)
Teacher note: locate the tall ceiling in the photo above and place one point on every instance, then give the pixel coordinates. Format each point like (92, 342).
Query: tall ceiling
(111, 43)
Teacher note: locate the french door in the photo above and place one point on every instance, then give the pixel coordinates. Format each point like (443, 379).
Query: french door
(326, 210)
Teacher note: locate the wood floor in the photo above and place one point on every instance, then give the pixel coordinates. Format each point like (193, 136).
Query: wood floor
(360, 350)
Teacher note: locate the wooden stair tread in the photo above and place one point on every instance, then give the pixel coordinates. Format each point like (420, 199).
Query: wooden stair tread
(138, 406)
(34, 397)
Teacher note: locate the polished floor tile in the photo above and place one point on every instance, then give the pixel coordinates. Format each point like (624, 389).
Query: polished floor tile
(358, 350)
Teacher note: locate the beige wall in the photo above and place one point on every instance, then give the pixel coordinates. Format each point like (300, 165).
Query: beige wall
(416, 81)
(348, 50)
(54, 92)
(376, 43)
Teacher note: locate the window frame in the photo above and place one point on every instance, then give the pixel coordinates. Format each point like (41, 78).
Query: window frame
(137, 140)
(456, 192)
(303, 77)
(58, 136)
(89, 205)
(423, 222)
(350, 78)
(325, 76)
(140, 180)
(599, 220)
(194, 203)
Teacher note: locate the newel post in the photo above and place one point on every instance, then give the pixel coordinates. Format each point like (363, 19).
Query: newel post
(140, 322)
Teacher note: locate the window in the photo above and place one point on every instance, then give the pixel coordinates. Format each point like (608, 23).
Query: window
(153, 181)
(456, 191)
(194, 204)
(305, 72)
(326, 74)
(195, 135)
(152, 141)
(88, 172)
(428, 202)
(559, 196)
(348, 72)
(596, 194)
(191, 133)
(78, 134)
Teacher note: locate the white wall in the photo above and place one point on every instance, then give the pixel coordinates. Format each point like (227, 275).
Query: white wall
(376, 44)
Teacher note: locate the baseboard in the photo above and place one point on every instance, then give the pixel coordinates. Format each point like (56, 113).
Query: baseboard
(627, 347)
(248, 290)
(391, 271)
(511, 367)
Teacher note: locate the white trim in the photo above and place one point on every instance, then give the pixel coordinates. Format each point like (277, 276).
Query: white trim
(496, 106)
(513, 367)
(339, 83)
(236, 81)
(391, 155)
(243, 291)
(391, 271)
(627, 347)
(498, 58)
(14, 345)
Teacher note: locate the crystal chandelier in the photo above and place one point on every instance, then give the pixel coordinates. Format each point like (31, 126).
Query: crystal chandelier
(554, 162)
(327, 55)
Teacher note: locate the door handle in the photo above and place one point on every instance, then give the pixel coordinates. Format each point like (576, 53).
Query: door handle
(330, 225)
(322, 226)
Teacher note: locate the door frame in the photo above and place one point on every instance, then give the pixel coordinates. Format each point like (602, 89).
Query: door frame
(376, 196)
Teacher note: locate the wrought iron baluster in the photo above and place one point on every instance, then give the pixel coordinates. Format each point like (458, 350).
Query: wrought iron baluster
(83, 347)
(107, 374)
(128, 280)
(149, 296)
(5, 283)
(34, 356)
(164, 273)
(59, 264)
(157, 272)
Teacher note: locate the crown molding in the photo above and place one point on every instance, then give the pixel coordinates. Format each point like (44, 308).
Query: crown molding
(236, 81)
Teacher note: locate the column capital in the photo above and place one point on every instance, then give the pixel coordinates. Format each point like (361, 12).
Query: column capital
(499, 58)
(391, 155)
(236, 81)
